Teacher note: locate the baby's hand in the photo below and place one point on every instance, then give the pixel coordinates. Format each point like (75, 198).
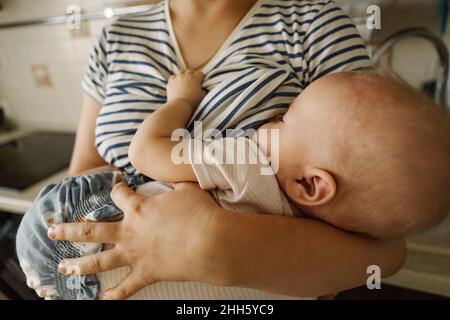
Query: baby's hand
(186, 85)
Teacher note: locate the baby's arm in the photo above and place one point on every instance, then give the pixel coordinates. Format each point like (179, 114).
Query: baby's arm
(151, 148)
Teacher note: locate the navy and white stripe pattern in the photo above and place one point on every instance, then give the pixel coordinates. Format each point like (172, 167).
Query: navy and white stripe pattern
(279, 48)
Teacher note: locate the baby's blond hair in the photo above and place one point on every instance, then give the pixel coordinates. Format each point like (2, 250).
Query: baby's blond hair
(393, 162)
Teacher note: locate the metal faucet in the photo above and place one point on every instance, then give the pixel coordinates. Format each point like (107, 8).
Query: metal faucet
(440, 94)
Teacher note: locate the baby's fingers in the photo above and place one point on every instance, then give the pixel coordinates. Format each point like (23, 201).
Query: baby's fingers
(198, 75)
(100, 262)
(129, 286)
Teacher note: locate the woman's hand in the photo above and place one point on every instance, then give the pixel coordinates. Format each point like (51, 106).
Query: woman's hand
(156, 246)
(184, 235)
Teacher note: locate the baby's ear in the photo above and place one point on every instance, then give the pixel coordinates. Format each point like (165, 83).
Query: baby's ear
(313, 188)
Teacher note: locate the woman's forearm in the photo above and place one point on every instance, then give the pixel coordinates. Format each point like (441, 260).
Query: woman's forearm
(184, 235)
(293, 256)
(94, 170)
(85, 155)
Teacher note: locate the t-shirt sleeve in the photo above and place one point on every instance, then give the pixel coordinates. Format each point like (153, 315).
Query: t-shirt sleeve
(93, 83)
(331, 44)
(238, 175)
(212, 168)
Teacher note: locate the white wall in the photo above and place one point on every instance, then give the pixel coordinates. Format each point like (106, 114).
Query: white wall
(57, 107)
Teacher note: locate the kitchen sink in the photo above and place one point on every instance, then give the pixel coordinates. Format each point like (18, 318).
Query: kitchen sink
(32, 157)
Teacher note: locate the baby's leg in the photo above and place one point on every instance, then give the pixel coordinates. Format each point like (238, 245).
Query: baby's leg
(75, 199)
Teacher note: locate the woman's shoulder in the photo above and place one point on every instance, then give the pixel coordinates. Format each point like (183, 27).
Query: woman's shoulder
(154, 18)
(296, 6)
(294, 14)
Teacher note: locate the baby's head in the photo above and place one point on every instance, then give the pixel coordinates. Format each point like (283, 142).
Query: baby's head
(367, 154)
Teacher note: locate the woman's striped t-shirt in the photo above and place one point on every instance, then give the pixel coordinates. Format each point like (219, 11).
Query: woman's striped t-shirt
(277, 49)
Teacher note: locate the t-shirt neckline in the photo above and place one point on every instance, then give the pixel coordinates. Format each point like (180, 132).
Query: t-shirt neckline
(233, 35)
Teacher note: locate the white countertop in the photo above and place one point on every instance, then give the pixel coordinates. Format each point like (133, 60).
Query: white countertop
(427, 267)
(13, 201)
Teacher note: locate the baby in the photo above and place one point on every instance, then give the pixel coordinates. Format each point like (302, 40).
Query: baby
(364, 153)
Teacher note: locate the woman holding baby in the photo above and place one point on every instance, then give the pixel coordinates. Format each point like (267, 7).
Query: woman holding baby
(183, 235)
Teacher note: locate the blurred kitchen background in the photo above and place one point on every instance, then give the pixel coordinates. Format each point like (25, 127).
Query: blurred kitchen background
(41, 65)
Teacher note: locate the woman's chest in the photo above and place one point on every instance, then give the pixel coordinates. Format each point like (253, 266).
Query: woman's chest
(140, 68)
(254, 76)
(197, 49)
(138, 71)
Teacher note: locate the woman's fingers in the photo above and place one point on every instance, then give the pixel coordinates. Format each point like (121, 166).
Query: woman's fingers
(99, 232)
(100, 262)
(129, 286)
(125, 198)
